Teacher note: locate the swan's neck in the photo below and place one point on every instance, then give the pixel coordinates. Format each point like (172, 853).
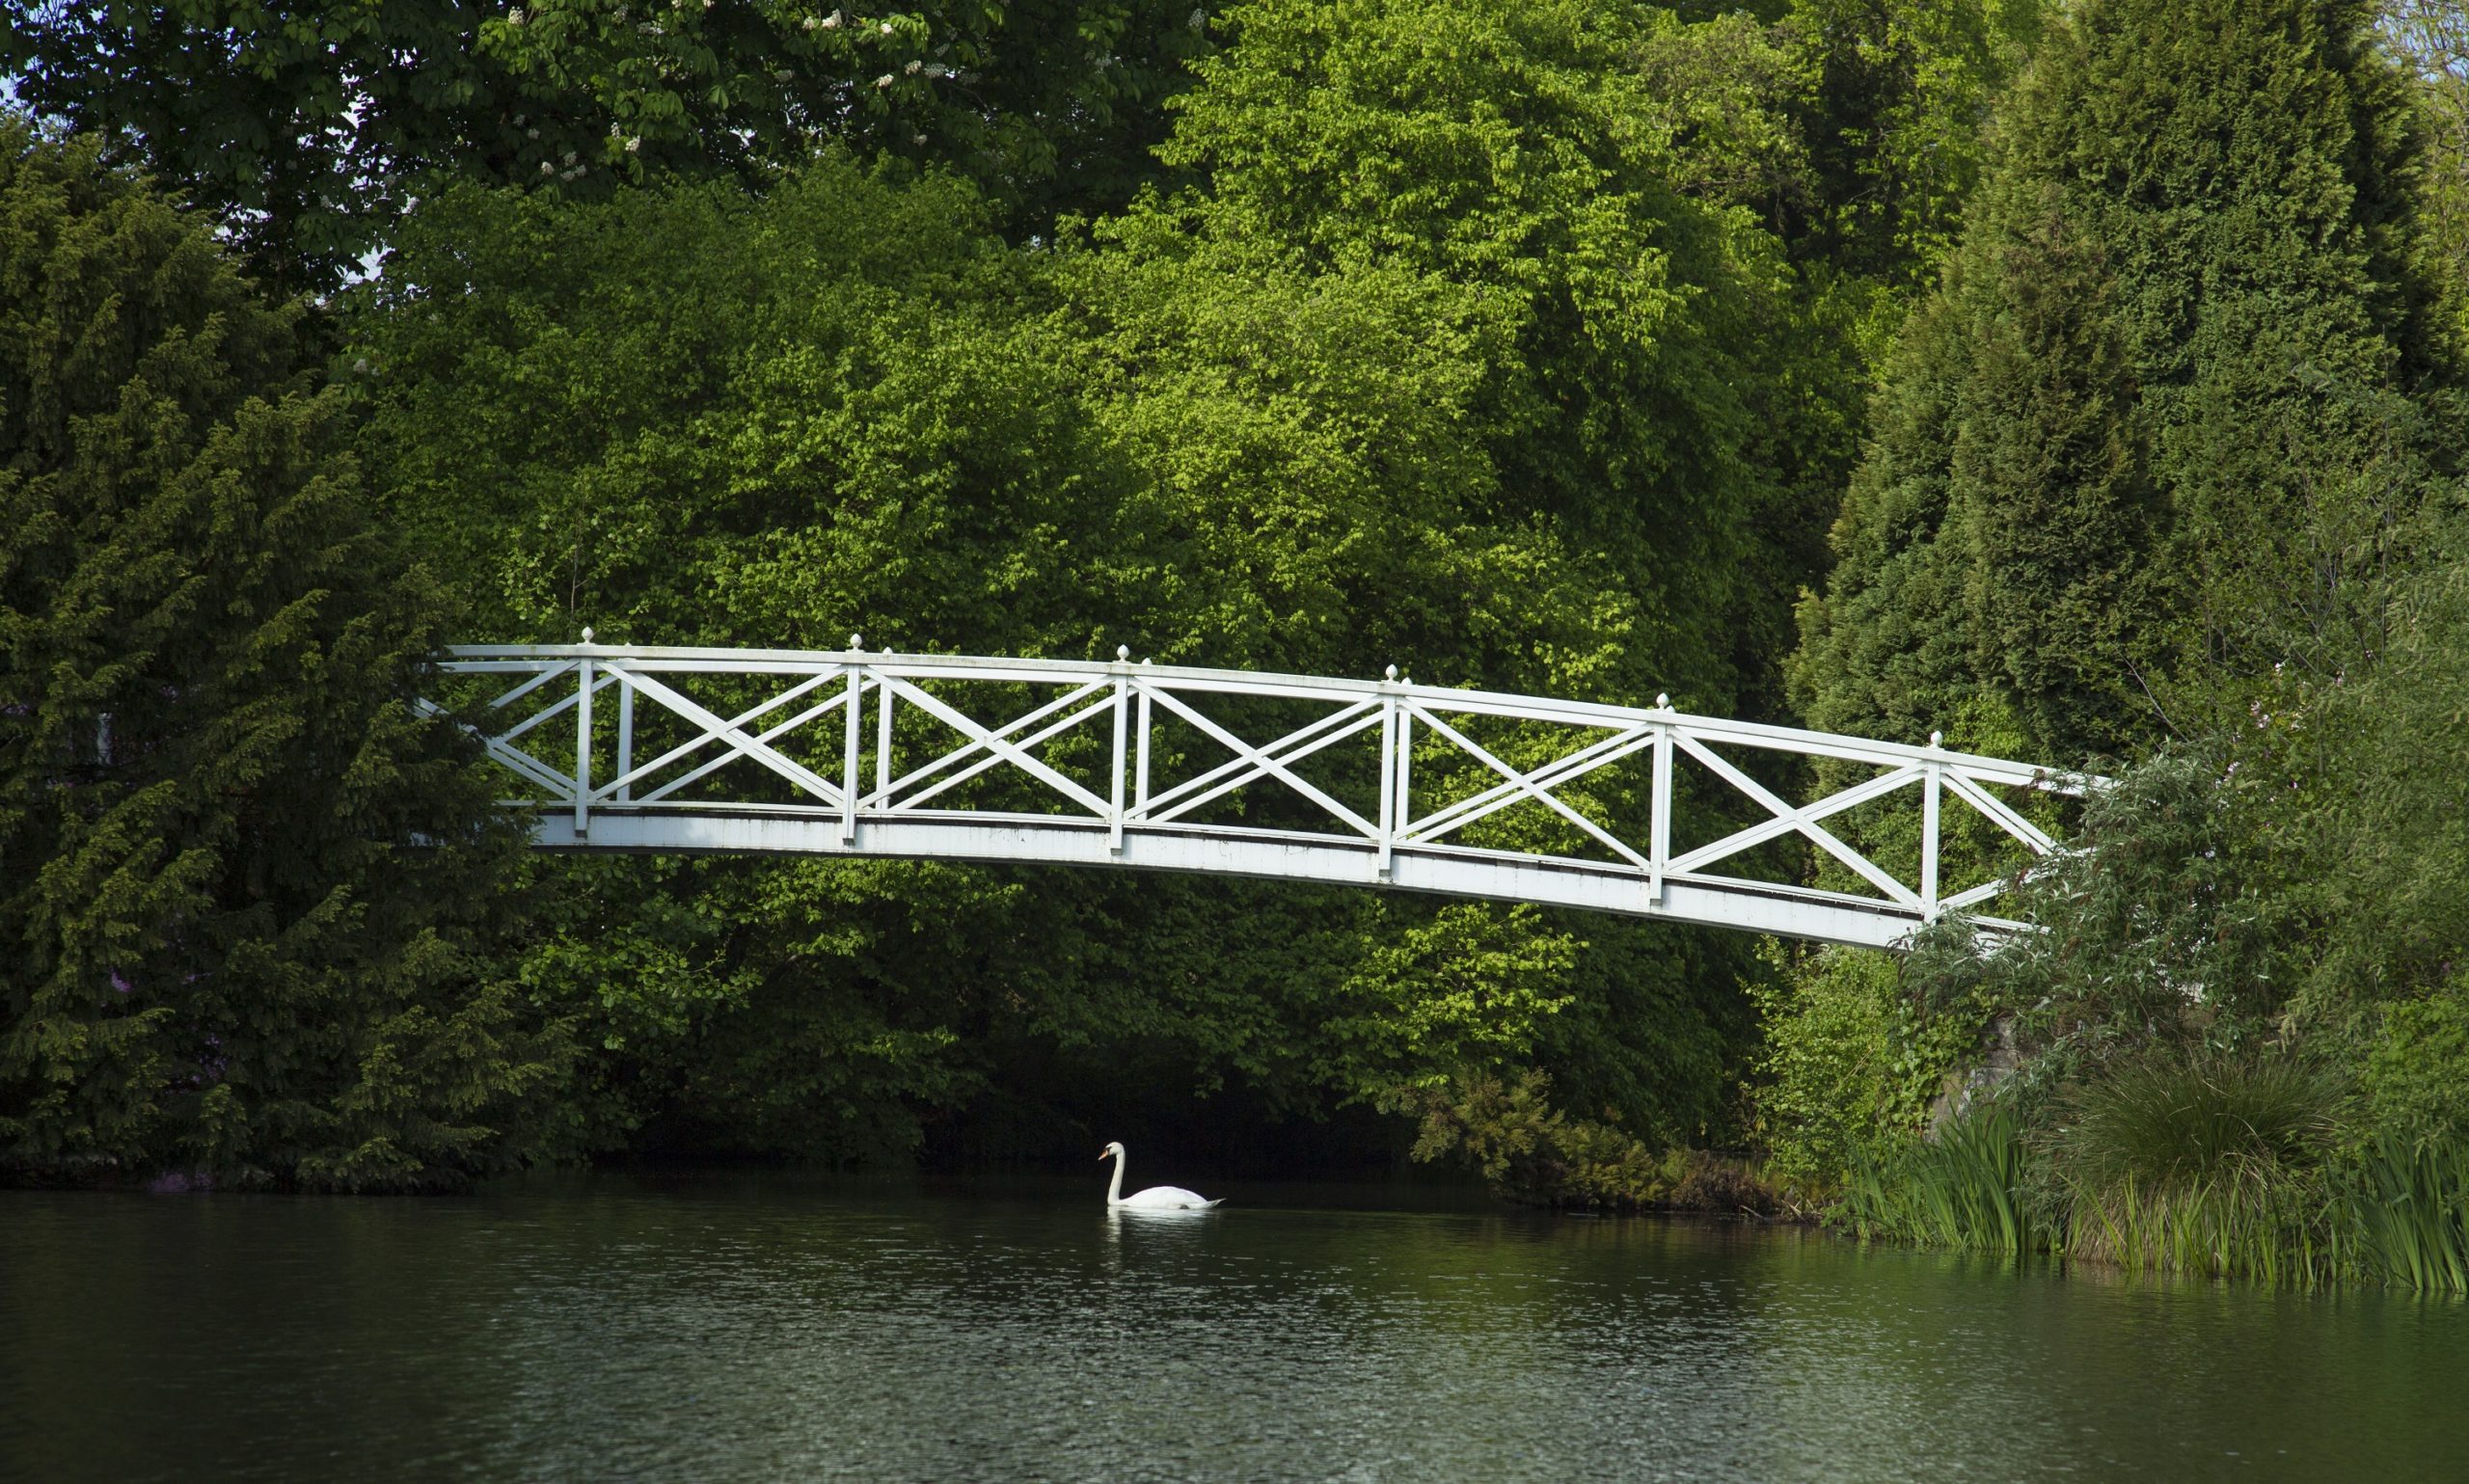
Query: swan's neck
(1114, 1190)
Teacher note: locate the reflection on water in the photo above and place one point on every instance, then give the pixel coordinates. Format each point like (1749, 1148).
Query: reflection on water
(774, 1328)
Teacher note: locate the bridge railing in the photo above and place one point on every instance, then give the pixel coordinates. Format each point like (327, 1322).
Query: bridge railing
(1383, 781)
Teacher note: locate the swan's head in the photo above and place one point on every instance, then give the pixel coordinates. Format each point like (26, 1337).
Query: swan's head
(1111, 1152)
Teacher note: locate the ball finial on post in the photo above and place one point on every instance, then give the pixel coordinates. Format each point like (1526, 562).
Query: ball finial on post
(1663, 701)
(1123, 652)
(1937, 738)
(587, 633)
(1393, 672)
(857, 642)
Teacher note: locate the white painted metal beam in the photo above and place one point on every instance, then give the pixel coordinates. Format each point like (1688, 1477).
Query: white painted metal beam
(1124, 820)
(1789, 911)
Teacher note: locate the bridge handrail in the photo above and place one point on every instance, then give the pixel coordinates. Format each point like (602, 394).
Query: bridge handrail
(532, 658)
(901, 822)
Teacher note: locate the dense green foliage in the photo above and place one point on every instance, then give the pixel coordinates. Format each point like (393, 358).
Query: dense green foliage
(1553, 408)
(2165, 472)
(2167, 421)
(312, 127)
(1888, 118)
(2432, 37)
(1531, 1152)
(1850, 1066)
(1479, 351)
(249, 899)
(1538, 348)
(2206, 1085)
(645, 416)
(1510, 347)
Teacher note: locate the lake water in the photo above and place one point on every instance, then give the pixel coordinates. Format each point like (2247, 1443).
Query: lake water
(778, 1328)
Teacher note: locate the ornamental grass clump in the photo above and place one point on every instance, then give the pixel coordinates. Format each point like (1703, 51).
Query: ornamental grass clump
(2209, 1165)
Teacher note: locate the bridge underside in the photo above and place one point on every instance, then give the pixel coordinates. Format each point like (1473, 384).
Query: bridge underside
(1725, 901)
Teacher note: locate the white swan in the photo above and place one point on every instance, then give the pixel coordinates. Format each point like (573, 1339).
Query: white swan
(1157, 1198)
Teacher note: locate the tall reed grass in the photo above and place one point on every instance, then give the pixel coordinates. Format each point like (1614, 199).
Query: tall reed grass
(2406, 1215)
(1963, 1190)
(2248, 1222)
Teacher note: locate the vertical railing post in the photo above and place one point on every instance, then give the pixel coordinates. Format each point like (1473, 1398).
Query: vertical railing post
(1406, 815)
(625, 737)
(1140, 774)
(1388, 777)
(1659, 806)
(883, 737)
(1929, 832)
(1122, 695)
(856, 666)
(583, 743)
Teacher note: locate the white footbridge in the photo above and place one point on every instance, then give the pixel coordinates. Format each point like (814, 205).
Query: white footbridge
(1639, 810)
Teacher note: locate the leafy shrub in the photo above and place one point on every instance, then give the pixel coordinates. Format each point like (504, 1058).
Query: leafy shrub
(2416, 1074)
(1535, 1154)
(1850, 1066)
(2153, 931)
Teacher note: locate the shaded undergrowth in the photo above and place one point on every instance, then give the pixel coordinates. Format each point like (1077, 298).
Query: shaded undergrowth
(1533, 1153)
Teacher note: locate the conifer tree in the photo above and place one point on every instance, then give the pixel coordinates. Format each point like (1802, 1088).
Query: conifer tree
(2164, 417)
(246, 891)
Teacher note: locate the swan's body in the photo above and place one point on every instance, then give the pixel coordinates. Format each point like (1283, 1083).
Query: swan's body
(1157, 1198)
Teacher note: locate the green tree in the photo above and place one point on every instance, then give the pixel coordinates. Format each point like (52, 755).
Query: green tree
(1528, 151)
(2164, 425)
(2432, 37)
(688, 415)
(1472, 347)
(2144, 466)
(1892, 123)
(250, 897)
(2383, 834)
(309, 126)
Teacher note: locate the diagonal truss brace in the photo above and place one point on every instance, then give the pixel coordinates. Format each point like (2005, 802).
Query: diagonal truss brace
(1792, 821)
(616, 787)
(1521, 785)
(1823, 838)
(731, 735)
(1264, 763)
(998, 745)
(1255, 763)
(816, 684)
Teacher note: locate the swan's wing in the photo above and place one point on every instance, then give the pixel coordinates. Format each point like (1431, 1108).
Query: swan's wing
(1169, 1197)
